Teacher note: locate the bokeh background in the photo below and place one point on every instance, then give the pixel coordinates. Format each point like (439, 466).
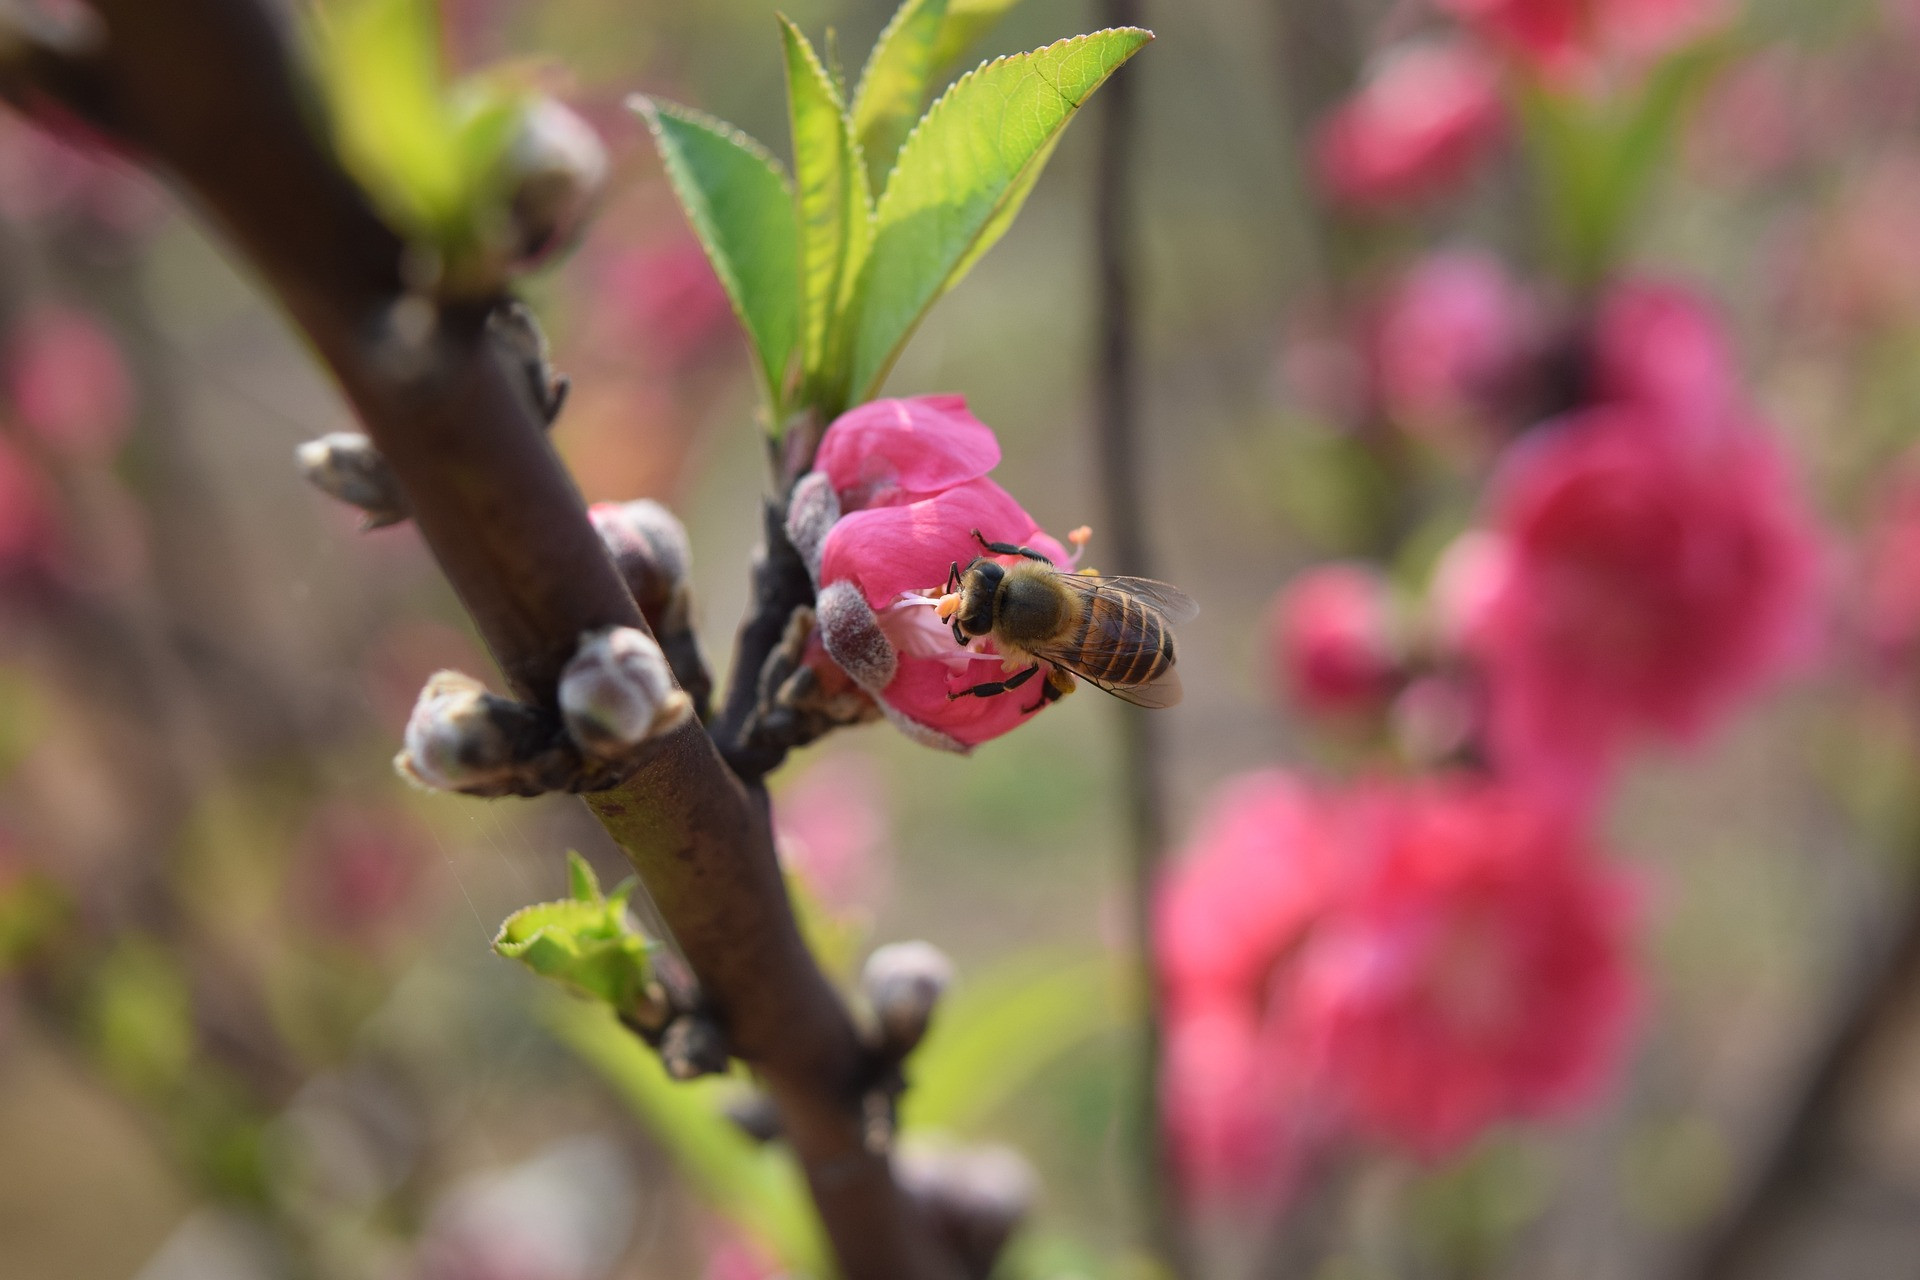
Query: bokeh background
(250, 1024)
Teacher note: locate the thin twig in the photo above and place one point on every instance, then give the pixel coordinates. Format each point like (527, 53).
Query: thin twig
(1801, 1152)
(1116, 415)
(208, 91)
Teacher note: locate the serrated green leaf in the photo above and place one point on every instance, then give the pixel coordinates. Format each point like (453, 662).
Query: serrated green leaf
(993, 1035)
(894, 84)
(583, 942)
(740, 204)
(757, 1187)
(961, 177)
(967, 21)
(835, 215)
(581, 882)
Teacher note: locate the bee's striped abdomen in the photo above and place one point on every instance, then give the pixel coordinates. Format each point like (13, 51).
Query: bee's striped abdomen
(1122, 641)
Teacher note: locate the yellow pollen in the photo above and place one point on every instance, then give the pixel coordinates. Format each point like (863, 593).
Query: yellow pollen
(948, 606)
(1079, 536)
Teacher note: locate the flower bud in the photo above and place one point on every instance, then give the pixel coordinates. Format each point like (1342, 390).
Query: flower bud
(976, 1196)
(346, 467)
(692, 1047)
(811, 511)
(513, 326)
(850, 632)
(553, 170)
(618, 691)
(903, 982)
(650, 547)
(462, 738)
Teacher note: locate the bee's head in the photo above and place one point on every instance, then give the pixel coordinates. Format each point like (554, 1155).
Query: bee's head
(973, 603)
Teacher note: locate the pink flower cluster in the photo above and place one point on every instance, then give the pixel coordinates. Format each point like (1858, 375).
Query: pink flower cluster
(897, 489)
(1417, 959)
(1643, 565)
(1408, 962)
(1648, 561)
(1431, 111)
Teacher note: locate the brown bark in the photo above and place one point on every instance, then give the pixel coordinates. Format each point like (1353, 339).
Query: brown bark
(207, 92)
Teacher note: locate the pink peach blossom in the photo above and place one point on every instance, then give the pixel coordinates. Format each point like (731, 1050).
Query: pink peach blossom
(1257, 875)
(1645, 579)
(898, 488)
(1331, 636)
(68, 382)
(1571, 40)
(1450, 341)
(1476, 971)
(1417, 128)
(832, 826)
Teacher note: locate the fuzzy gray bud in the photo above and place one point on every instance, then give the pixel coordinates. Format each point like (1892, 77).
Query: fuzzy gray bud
(345, 466)
(517, 332)
(654, 555)
(692, 1047)
(552, 171)
(462, 738)
(812, 509)
(976, 1196)
(618, 691)
(850, 632)
(903, 982)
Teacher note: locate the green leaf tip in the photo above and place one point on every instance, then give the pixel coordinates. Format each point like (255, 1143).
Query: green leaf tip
(739, 201)
(834, 207)
(584, 941)
(962, 175)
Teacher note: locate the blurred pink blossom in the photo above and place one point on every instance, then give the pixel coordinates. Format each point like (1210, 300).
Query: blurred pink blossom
(909, 480)
(1476, 971)
(52, 180)
(1330, 634)
(664, 303)
(1257, 874)
(27, 523)
(832, 827)
(359, 872)
(1889, 588)
(1572, 39)
(1644, 576)
(1450, 341)
(1658, 346)
(1426, 116)
(68, 382)
(1410, 961)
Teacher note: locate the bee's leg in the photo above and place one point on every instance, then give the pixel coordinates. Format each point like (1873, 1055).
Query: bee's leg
(1009, 548)
(1057, 686)
(993, 688)
(959, 637)
(953, 577)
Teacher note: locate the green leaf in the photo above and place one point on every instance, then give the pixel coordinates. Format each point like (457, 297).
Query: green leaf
(961, 177)
(992, 1036)
(894, 84)
(835, 214)
(1598, 157)
(141, 1018)
(741, 207)
(583, 942)
(967, 21)
(757, 1187)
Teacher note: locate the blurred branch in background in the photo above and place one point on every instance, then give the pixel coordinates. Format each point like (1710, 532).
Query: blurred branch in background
(487, 492)
(1117, 391)
(1801, 1154)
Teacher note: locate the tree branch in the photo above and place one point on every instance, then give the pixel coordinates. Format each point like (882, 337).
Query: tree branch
(207, 90)
(1800, 1152)
(1117, 422)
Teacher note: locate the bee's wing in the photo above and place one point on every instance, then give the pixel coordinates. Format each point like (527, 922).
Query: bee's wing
(1173, 604)
(1102, 644)
(1163, 691)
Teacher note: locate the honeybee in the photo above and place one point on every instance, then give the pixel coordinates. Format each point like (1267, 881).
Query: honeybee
(1114, 633)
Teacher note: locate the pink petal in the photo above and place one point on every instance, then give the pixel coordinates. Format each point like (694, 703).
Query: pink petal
(890, 550)
(889, 452)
